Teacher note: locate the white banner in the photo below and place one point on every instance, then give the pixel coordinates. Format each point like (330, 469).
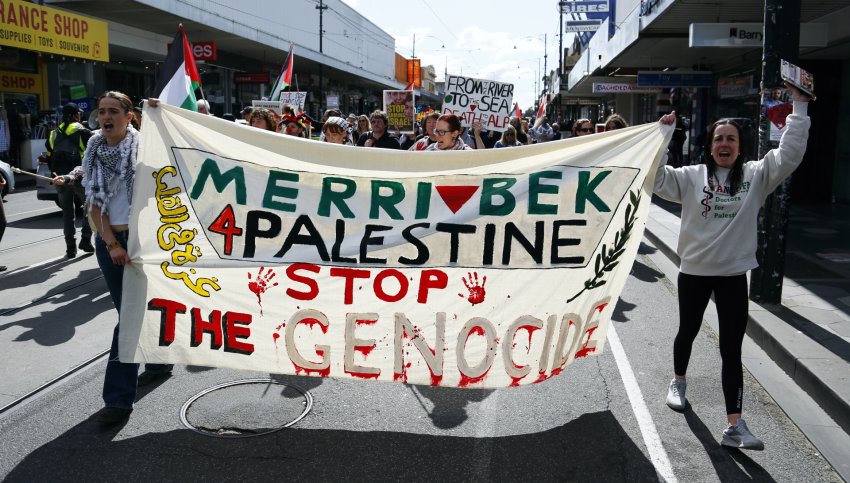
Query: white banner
(492, 268)
(478, 100)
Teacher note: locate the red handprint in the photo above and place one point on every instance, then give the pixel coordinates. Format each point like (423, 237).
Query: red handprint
(262, 284)
(476, 291)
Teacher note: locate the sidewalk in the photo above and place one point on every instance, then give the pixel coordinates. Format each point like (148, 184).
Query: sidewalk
(808, 335)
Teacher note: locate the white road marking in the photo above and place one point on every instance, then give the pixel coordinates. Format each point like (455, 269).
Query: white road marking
(657, 454)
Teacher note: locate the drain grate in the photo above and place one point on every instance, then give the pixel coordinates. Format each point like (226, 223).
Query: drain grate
(245, 408)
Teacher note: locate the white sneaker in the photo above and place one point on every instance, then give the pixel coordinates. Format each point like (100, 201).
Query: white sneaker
(739, 436)
(676, 395)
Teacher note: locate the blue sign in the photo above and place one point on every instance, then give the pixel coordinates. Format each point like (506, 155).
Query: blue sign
(584, 6)
(86, 104)
(674, 79)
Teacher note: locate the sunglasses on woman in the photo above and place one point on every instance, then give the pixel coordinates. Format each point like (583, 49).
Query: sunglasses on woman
(584, 129)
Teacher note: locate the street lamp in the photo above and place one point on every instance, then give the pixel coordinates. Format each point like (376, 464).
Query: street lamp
(413, 53)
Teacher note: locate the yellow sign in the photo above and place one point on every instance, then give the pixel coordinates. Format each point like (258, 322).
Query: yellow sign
(35, 27)
(19, 82)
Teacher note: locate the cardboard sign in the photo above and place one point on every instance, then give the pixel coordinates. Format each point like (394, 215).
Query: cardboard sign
(478, 100)
(400, 109)
(295, 98)
(479, 269)
(274, 106)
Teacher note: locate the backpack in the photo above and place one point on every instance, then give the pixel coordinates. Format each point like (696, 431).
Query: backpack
(66, 152)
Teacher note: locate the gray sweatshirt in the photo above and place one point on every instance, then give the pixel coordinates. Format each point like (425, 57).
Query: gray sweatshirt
(718, 232)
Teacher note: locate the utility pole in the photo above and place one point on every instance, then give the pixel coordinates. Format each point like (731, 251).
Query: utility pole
(545, 55)
(321, 7)
(781, 41)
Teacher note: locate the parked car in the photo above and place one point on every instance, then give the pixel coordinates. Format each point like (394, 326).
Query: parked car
(6, 173)
(46, 191)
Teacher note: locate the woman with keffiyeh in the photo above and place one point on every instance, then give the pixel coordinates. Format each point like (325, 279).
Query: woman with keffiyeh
(108, 175)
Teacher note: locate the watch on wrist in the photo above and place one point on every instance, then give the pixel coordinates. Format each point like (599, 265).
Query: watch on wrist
(112, 246)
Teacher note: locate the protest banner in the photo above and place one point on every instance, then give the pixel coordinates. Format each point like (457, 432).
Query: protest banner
(400, 109)
(272, 253)
(274, 106)
(477, 100)
(295, 98)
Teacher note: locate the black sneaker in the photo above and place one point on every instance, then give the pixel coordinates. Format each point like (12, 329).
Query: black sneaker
(109, 415)
(70, 253)
(86, 246)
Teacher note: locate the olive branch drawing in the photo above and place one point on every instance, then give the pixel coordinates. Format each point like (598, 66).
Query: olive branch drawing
(608, 257)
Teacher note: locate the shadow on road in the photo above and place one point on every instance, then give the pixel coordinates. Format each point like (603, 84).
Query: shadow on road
(593, 447)
(729, 463)
(60, 315)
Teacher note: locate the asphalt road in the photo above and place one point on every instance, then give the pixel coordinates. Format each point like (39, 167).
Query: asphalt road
(603, 419)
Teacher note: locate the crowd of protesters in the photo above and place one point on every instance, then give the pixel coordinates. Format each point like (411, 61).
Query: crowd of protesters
(373, 130)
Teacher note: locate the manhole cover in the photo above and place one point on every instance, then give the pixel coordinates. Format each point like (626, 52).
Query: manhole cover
(245, 408)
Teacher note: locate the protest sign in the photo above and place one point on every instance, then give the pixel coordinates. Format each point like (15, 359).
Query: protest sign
(274, 106)
(478, 269)
(295, 98)
(478, 100)
(400, 110)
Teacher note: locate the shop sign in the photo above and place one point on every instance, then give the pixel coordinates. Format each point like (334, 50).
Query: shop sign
(674, 79)
(31, 26)
(203, 51)
(728, 87)
(251, 78)
(749, 34)
(86, 104)
(591, 25)
(19, 82)
(583, 6)
(622, 88)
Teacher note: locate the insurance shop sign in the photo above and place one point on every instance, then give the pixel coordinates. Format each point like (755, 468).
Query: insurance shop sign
(44, 29)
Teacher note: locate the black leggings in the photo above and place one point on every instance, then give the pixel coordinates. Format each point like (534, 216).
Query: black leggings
(730, 297)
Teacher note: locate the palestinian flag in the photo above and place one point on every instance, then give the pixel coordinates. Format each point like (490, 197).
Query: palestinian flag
(517, 112)
(284, 80)
(178, 77)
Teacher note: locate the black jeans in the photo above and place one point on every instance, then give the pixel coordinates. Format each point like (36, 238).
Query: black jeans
(66, 201)
(730, 297)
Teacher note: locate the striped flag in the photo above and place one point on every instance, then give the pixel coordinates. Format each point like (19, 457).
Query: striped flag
(542, 110)
(285, 78)
(178, 77)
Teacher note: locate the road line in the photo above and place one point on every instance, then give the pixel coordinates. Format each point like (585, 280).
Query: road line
(657, 454)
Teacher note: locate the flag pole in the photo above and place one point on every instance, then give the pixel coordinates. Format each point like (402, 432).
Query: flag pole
(200, 85)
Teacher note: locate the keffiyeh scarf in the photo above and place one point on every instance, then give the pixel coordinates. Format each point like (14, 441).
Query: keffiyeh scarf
(102, 163)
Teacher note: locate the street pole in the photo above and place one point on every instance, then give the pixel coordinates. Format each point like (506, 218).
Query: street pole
(781, 41)
(321, 7)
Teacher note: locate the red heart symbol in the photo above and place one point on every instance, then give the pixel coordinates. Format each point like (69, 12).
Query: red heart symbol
(472, 106)
(456, 196)
(778, 113)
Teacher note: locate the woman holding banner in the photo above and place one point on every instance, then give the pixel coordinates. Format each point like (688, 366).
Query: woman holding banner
(720, 201)
(109, 169)
(448, 135)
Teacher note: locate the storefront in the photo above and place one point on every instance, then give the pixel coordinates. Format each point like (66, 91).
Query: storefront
(46, 56)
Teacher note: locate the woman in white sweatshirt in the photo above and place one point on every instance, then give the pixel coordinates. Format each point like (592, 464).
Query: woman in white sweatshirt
(720, 201)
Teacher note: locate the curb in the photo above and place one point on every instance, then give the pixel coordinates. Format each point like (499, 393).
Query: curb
(805, 361)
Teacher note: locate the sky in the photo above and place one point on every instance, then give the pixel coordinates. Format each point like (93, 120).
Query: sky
(488, 39)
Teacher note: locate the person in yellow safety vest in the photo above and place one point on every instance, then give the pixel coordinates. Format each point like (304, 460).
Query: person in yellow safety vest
(65, 147)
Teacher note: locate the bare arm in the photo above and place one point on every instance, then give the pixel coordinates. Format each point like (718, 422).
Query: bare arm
(104, 229)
